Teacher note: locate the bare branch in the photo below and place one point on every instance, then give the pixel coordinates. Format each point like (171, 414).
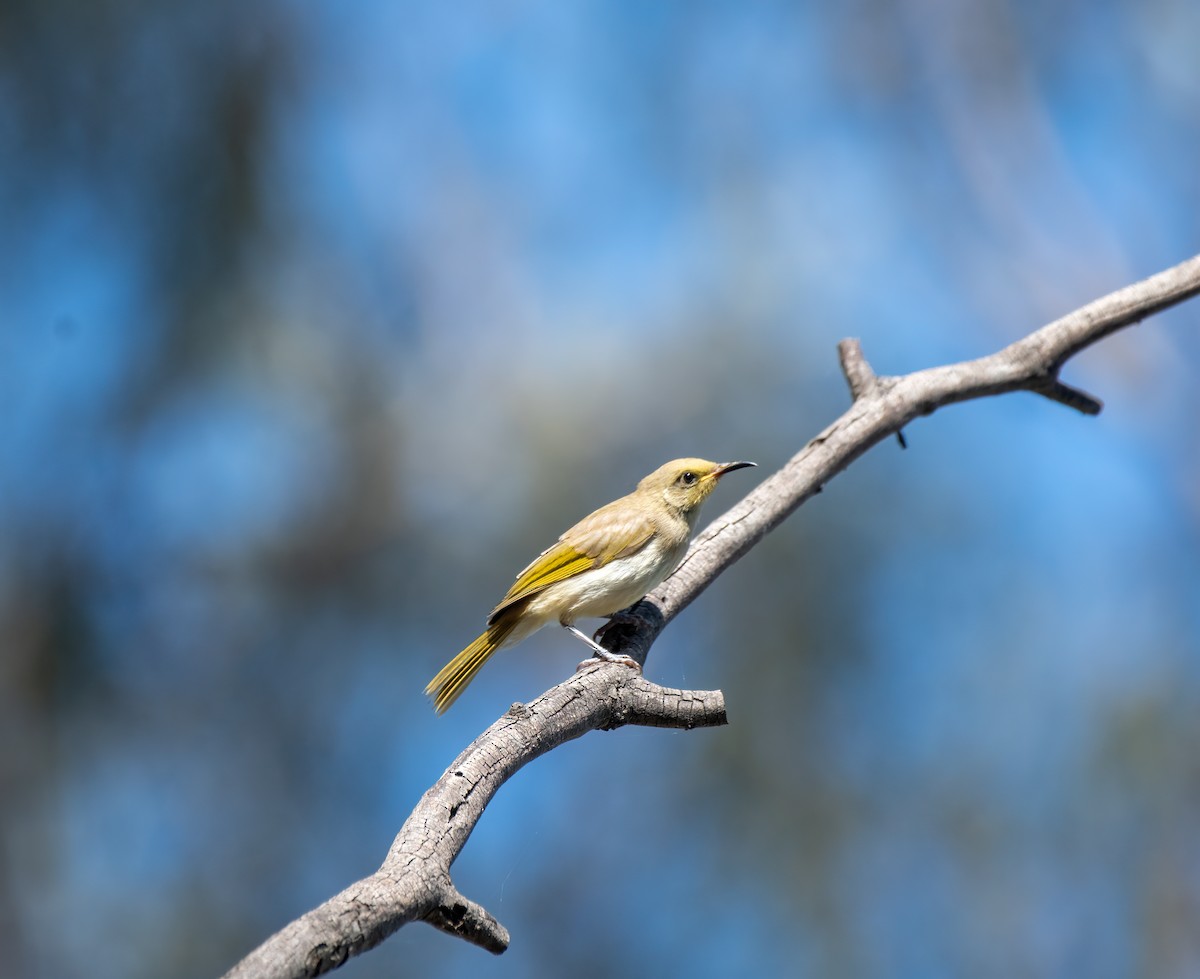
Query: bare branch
(466, 919)
(414, 881)
(858, 372)
(1064, 394)
(882, 407)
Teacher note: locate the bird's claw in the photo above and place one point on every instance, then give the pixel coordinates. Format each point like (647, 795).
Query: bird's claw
(629, 661)
(602, 655)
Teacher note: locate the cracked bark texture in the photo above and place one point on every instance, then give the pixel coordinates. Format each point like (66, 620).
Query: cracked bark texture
(414, 883)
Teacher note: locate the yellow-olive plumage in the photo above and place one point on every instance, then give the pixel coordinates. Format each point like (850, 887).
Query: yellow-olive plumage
(605, 563)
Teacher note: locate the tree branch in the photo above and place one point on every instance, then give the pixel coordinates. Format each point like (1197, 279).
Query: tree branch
(882, 407)
(414, 881)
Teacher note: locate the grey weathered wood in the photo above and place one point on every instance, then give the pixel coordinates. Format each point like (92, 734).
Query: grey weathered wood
(414, 884)
(882, 407)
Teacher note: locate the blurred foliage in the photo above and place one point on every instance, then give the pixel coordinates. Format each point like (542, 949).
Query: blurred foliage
(320, 320)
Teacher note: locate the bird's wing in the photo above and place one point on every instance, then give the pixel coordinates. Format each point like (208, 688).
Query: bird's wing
(611, 532)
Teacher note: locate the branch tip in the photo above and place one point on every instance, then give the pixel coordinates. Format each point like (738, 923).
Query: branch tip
(462, 917)
(1054, 389)
(650, 705)
(859, 376)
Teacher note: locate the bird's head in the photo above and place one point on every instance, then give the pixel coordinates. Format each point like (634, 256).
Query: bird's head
(685, 483)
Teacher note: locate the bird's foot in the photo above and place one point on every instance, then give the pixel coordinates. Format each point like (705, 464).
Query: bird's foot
(608, 657)
(602, 655)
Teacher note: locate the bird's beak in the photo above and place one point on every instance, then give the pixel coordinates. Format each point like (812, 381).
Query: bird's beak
(728, 467)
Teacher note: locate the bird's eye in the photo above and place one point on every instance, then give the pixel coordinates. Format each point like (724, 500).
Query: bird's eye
(688, 478)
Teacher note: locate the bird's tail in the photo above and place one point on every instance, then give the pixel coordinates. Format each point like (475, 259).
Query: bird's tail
(453, 678)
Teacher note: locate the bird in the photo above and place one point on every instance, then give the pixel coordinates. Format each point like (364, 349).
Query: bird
(603, 564)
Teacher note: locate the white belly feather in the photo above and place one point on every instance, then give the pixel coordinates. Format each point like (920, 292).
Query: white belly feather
(601, 591)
